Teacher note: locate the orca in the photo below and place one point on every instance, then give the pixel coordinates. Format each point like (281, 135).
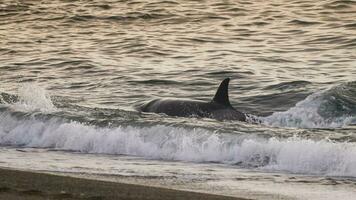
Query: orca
(218, 108)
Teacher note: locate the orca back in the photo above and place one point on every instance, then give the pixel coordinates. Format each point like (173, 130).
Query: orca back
(219, 108)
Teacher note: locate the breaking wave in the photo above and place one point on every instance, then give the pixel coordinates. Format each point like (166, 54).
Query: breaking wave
(31, 97)
(173, 143)
(169, 142)
(332, 108)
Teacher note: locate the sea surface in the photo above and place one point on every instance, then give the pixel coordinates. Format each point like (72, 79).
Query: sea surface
(72, 72)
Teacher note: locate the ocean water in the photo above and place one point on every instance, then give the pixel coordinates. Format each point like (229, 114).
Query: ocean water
(72, 72)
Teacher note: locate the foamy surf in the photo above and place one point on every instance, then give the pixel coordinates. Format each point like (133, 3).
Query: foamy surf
(33, 97)
(295, 154)
(331, 108)
(165, 142)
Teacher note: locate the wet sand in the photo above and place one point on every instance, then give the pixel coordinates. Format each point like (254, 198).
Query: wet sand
(16, 184)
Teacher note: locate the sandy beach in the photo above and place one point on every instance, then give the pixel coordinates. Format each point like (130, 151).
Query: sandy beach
(16, 184)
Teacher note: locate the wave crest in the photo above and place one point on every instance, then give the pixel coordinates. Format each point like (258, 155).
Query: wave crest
(31, 97)
(332, 108)
(185, 144)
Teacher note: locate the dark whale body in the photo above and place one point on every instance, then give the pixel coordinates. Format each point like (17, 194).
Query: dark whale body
(219, 108)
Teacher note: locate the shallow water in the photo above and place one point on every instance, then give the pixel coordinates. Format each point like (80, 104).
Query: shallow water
(72, 72)
(200, 177)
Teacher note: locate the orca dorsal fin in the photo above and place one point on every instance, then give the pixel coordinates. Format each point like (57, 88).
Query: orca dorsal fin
(222, 94)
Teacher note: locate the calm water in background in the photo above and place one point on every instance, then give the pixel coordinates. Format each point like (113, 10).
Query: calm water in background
(71, 73)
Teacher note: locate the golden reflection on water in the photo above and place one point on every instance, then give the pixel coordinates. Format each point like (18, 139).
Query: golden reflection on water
(258, 43)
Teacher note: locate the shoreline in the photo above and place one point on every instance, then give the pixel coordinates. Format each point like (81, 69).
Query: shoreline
(17, 184)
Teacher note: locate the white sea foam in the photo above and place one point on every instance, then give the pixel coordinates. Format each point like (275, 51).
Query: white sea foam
(305, 114)
(33, 97)
(173, 143)
(187, 144)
